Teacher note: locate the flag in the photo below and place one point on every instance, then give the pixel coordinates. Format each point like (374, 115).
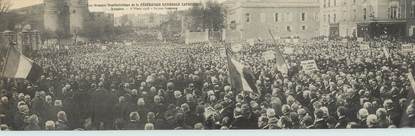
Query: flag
(241, 78)
(411, 80)
(280, 63)
(19, 66)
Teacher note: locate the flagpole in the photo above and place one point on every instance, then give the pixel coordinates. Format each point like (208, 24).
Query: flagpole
(227, 61)
(278, 50)
(5, 64)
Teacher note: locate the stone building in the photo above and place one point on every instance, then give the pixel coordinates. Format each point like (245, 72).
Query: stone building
(253, 19)
(367, 18)
(66, 16)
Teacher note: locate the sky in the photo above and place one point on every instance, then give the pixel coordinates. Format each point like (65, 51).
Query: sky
(24, 3)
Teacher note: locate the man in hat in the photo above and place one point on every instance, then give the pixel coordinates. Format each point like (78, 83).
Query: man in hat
(320, 119)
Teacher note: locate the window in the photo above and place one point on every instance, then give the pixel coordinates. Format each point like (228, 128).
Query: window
(233, 25)
(151, 20)
(334, 18)
(328, 19)
(329, 3)
(289, 28)
(364, 13)
(247, 17)
(262, 15)
(335, 3)
(302, 16)
(276, 17)
(354, 14)
(289, 17)
(303, 27)
(393, 12)
(324, 4)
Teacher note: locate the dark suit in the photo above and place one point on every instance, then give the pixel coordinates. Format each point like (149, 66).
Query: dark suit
(240, 123)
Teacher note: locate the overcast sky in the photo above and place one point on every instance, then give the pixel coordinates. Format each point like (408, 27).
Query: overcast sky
(25, 3)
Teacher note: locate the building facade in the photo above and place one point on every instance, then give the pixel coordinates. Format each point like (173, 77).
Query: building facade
(367, 18)
(149, 20)
(65, 16)
(78, 14)
(340, 17)
(253, 19)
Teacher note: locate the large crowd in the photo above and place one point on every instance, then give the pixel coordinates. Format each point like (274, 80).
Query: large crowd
(146, 86)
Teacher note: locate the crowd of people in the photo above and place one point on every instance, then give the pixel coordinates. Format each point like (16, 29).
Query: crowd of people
(148, 86)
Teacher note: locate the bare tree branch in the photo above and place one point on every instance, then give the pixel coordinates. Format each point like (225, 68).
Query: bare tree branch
(5, 6)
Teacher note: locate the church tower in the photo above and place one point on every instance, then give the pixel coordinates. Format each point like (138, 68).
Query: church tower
(56, 16)
(78, 14)
(51, 15)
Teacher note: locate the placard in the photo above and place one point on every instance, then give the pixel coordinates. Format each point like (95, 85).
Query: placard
(268, 55)
(296, 40)
(289, 50)
(309, 66)
(236, 47)
(407, 48)
(364, 46)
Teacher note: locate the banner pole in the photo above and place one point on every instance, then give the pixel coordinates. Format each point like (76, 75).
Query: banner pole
(7, 59)
(278, 50)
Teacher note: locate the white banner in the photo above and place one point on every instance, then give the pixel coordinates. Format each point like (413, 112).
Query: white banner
(289, 50)
(407, 48)
(296, 40)
(268, 55)
(364, 46)
(309, 66)
(236, 47)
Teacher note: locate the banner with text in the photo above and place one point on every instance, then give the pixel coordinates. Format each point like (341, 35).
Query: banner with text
(309, 66)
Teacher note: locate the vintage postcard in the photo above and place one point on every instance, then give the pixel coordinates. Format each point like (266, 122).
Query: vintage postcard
(206, 64)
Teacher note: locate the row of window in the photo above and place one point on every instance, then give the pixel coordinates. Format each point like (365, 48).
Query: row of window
(329, 3)
(289, 29)
(393, 13)
(277, 17)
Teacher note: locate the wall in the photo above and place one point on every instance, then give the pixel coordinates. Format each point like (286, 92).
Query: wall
(263, 19)
(196, 37)
(50, 16)
(232, 35)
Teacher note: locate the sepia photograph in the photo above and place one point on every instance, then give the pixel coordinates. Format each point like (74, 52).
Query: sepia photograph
(94, 65)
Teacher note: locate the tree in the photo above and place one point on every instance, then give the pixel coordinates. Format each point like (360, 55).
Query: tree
(210, 17)
(4, 9)
(5, 6)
